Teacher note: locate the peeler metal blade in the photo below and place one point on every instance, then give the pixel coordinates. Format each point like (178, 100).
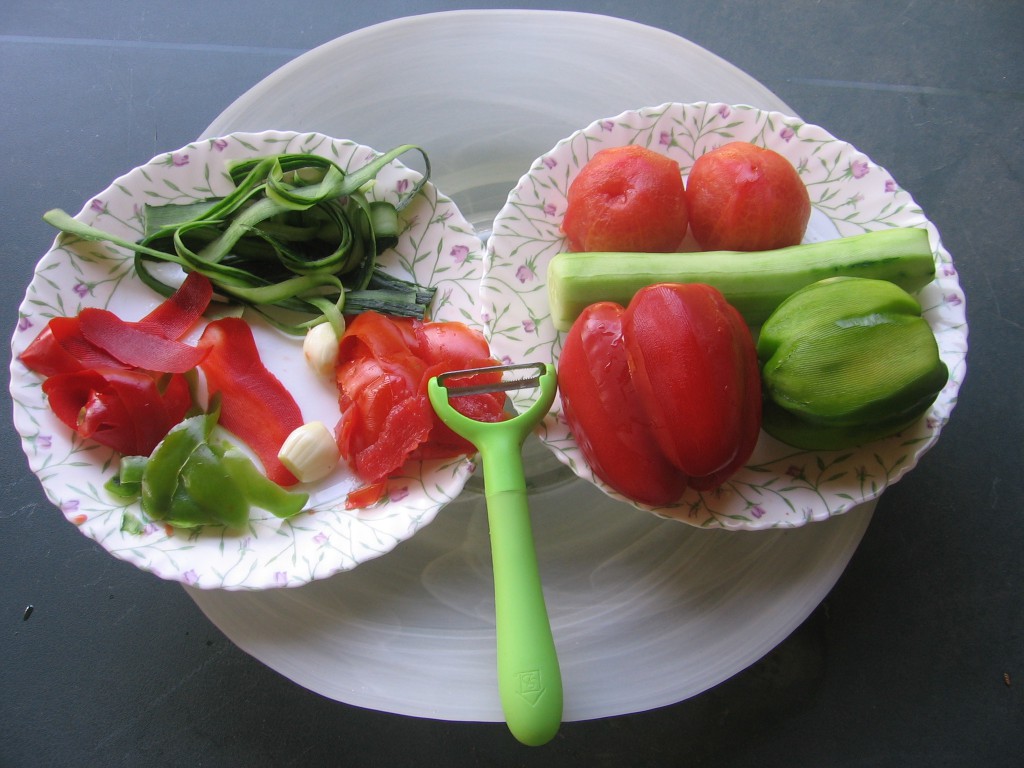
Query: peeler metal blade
(503, 385)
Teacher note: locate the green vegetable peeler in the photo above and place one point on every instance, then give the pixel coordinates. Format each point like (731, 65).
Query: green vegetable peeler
(529, 679)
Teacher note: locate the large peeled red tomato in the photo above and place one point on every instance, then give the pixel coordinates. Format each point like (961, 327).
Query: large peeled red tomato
(662, 395)
(626, 199)
(601, 406)
(742, 197)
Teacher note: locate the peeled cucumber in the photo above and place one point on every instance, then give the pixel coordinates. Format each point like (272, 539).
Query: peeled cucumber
(753, 282)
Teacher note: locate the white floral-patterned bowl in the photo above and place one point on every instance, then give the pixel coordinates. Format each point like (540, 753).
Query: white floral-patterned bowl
(780, 486)
(437, 247)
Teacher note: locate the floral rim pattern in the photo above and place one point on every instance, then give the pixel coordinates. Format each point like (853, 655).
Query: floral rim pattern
(781, 486)
(437, 247)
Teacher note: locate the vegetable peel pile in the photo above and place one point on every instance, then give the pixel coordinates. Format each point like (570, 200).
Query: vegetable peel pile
(124, 404)
(192, 480)
(296, 236)
(297, 243)
(131, 387)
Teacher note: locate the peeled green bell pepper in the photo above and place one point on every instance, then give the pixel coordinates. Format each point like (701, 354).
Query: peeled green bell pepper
(846, 361)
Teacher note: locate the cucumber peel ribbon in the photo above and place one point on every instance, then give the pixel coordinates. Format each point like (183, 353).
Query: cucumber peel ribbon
(296, 236)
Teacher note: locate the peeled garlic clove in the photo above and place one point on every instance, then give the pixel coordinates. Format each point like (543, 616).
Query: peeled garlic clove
(310, 452)
(320, 348)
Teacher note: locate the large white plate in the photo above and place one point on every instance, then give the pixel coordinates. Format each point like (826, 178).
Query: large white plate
(436, 246)
(850, 195)
(646, 612)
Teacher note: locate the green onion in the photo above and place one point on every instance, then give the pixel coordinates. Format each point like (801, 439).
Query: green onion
(296, 241)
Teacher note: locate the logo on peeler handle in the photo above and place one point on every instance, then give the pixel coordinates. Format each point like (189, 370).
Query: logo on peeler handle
(530, 686)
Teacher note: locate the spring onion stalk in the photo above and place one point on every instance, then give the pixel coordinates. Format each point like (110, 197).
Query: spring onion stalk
(296, 241)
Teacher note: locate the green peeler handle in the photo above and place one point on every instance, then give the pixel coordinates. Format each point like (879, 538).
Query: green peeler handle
(529, 678)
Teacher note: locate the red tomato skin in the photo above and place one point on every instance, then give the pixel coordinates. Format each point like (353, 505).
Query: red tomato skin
(489, 407)
(384, 366)
(405, 427)
(605, 414)
(626, 199)
(691, 357)
(366, 496)
(451, 343)
(370, 387)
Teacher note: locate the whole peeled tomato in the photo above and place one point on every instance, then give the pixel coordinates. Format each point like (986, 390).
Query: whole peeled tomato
(626, 199)
(742, 197)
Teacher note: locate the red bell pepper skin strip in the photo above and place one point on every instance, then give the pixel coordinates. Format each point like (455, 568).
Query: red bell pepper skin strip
(124, 410)
(61, 348)
(173, 318)
(605, 413)
(136, 347)
(255, 406)
(92, 383)
(690, 362)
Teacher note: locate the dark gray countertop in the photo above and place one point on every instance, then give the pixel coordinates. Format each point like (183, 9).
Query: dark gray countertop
(916, 657)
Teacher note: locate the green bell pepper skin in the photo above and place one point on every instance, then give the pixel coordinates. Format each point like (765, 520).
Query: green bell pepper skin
(127, 483)
(260, 491)
(161, 499)
(846, 361)
(190, 480)
(210, 484)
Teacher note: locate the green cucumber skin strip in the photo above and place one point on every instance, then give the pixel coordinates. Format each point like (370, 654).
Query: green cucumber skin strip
(753, 282)
(355, 259)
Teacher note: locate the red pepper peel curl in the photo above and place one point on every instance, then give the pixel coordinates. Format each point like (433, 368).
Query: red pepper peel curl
(255, 406)
(120, 383)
